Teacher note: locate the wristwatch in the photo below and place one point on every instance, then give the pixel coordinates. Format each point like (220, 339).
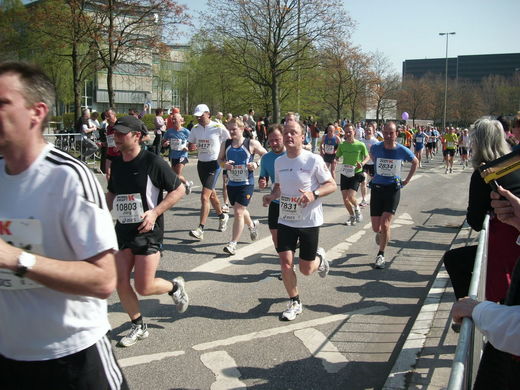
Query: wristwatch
(25, 262)
(316, 194)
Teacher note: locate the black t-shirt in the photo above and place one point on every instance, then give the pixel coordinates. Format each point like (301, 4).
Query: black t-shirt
(148, 175)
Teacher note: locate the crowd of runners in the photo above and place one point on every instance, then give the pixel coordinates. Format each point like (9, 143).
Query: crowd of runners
(61, 255)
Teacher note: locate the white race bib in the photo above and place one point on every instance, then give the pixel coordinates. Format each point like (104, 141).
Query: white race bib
(388, 167)
(128, 208)
(110, 141)
(204, 146)
(25, 234)
(177, 144)
(348, 170)
(329, 149)
(419, 140)
(450, 144)
(238, 173)
(289, 209)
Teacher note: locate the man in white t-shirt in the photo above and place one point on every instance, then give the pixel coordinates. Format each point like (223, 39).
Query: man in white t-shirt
(301, 179)
(57, 246)
(360, 132)
(206, 137)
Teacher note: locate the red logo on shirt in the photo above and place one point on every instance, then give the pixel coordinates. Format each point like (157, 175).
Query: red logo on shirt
(4, 228)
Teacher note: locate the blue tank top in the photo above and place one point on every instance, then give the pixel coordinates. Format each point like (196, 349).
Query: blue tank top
(239, 175)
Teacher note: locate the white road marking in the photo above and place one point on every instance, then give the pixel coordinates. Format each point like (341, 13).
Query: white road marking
(286, 329)
(319, 346)
(225, 370)
(142, 359)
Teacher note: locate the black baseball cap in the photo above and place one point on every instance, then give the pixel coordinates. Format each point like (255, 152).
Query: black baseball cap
(129, 123)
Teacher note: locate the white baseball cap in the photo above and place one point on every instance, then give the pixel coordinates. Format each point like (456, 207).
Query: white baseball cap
(200, 109)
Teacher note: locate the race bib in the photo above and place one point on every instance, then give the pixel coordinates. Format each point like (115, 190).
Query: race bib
(388, 167)
(329, 149)
(177, 144)
(110, 141)
(419, 140)
(25, 234)
(204, 146)
(238, 173)
(128, 208)
(348, 170)
(289, 209)
(450, 144)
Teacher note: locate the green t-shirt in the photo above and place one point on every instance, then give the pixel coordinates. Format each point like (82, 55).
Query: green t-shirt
(451, 140)
(352, 153)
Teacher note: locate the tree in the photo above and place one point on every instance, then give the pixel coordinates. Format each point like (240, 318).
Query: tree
(384, 86)
(267, 39)
(415, 98)
(129, 32)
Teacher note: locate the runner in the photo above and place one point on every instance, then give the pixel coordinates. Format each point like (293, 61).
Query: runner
(431, 143)
(53, 308)
(301, 179)
(112, 151)
(206, 137)
(464, 148)
(386, 185)
(176, 138)
(237, 156)
(135, 192)
(449, 145)
(355, 156)
(275, 139)
(419, 140)
(329, 145)
(368, 168)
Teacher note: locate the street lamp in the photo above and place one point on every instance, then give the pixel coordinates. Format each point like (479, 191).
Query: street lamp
(446, 79)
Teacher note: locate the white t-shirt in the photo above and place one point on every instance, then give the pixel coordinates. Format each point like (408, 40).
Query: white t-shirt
(368, 143)
(305, 172)
(63, 196)
(359, 133)
(208, 139)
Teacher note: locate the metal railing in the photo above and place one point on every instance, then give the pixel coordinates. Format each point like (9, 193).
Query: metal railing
(470, 345)
(77, 145)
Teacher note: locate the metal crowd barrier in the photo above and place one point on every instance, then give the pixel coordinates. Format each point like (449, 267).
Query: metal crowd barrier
(470, 345)
(77, 145)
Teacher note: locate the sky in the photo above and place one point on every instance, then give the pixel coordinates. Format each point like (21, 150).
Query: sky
(409, 29)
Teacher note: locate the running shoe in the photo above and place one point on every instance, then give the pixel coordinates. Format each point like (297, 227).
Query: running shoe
(324, 267)
(358, 216)
(231, 248)
(380, 262)
(197, 233)
(225, 208)
(222, 223)
(451, 170)
(378, 238)
(293, 309)
(136, 333)
(363, 203)
(446, 171)
(188, 186)
(180, 297)
(351, 221)
(253, 230)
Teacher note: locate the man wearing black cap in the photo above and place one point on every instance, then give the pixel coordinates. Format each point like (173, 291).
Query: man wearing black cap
(135, 193)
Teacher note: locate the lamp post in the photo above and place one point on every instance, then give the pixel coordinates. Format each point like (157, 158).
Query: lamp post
(446, 80)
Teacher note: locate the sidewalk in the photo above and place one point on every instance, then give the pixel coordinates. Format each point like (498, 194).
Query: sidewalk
(427, 354)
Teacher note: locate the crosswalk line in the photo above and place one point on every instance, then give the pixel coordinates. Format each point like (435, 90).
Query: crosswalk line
(225, 369)
(320, 347)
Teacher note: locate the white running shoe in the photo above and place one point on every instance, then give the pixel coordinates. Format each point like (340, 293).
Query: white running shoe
(351, 221)
(222, 223)
(188, 186)
(225, 208)
(253, 231)
(323, 269)
(136, 333)
(358, 216)
(293, 309)
(231, 248)
(197, 233)
(180, 297)
(380, 262)
(446, 171)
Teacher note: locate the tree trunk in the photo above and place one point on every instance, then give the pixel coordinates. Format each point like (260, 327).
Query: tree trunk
(76, 82)
(110, 87)
(275, 96)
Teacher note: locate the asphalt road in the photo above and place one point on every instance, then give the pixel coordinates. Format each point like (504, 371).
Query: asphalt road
(353, 324)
